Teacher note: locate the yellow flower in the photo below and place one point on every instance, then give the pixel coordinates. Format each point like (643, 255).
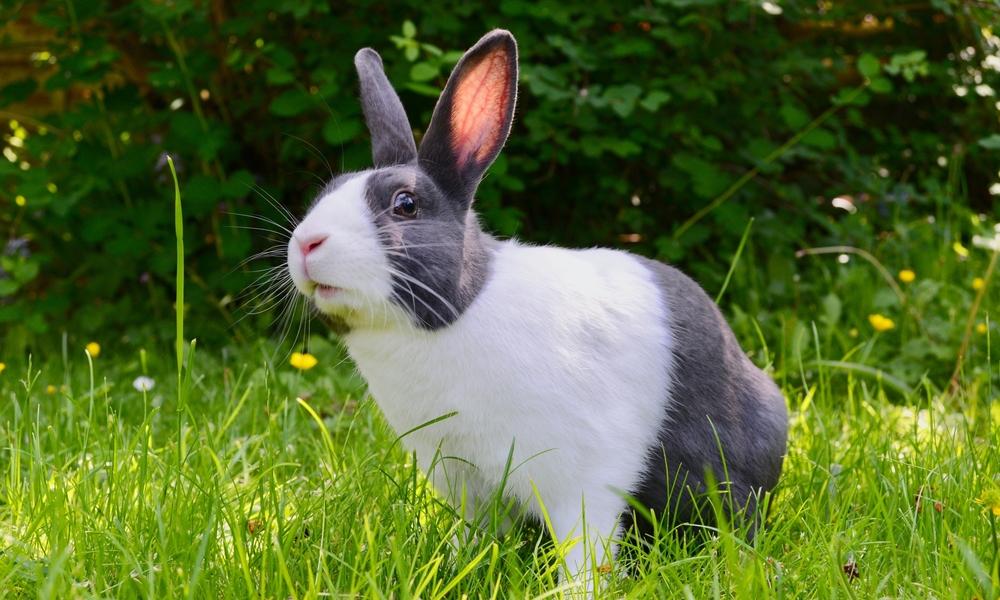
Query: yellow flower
(2, 367)
(990, 499)
(981, 328)
(50, 389)
(960, 250)
(907, 276)
(302, 361)
(978, 283)
(20, 200)
(881, 322)
(93, 349)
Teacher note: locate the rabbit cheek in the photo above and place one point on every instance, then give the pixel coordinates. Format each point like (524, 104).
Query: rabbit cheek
(297, 269)
(348, 257)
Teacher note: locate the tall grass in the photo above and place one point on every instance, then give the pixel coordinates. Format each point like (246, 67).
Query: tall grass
(279, 498)
(179, 308)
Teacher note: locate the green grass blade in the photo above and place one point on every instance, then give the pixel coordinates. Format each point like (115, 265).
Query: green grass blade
(736, 259)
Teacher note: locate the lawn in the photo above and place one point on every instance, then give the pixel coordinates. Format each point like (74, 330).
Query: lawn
(273, 482)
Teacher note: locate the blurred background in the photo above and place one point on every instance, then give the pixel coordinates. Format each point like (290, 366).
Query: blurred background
(662, 127)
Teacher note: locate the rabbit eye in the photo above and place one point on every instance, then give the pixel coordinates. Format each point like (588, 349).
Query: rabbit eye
(404, 205)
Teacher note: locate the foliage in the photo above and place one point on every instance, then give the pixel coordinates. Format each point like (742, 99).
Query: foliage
(630, 122)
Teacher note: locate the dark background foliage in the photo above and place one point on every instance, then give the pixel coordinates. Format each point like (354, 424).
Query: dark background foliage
(631, 119)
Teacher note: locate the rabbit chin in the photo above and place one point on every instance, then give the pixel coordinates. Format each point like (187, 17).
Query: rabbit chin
(347, 310)
(341, 319)
(340, 303)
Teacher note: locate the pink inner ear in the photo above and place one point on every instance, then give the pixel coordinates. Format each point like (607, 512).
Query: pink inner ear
(479, 108)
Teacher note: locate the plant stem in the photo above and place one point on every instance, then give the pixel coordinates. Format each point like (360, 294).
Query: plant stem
(870, 258)
(736, 259)
(179, 307)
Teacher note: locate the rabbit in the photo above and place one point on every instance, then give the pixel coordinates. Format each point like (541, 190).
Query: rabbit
(571, 379)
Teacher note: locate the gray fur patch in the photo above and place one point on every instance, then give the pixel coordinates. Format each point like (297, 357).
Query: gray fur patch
(719, 399)
(440, 258)
(392, 139)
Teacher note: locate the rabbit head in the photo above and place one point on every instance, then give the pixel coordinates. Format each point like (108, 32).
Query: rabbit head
(399, 243)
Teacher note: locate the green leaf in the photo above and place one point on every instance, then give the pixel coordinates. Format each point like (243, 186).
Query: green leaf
(793, 116)
(25, 270)
(708, 181)
(340, 130)
(452, 57)
(423, 71)
(832, 308)
(868, 65)
(711, 142)
(423, 89)
(409, 29)
(431, 49)
(278, 76)
(880, 85)
(622, 148)
(237, 186)
(291, 103)
(654, 100)
(848, 97)
(820, 138)
(8, 287)
(281, 57)
(991, 142)
(622, 98)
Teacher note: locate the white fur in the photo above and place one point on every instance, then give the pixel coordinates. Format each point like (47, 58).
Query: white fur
(565, 355)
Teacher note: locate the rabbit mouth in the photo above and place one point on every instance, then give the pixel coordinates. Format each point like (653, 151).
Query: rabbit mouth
(327, 291)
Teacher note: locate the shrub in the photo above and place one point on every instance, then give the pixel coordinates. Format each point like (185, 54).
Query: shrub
(630, 121)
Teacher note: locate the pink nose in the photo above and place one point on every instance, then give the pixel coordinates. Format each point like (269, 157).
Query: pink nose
(311, 243)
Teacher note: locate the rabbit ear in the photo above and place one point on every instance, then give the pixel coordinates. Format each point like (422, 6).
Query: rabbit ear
(473, 116)
(392, 138)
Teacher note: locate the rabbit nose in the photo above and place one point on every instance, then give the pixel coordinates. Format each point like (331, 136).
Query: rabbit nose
(311, 243)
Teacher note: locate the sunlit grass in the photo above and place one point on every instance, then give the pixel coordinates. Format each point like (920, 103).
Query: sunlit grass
(292, 486)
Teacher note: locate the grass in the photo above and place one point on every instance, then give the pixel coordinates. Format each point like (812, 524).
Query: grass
(269, 482)
(239, 477)
(283, 498)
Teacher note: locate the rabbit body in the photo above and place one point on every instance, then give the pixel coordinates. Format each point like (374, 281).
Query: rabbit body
(564, 380)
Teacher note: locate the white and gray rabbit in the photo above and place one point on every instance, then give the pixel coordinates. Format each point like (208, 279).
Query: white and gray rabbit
(605, 374)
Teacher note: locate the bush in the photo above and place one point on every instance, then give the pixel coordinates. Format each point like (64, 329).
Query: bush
(629, 123)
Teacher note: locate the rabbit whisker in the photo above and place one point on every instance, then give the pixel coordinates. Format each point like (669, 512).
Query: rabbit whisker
(429, 290)
(263, 219)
